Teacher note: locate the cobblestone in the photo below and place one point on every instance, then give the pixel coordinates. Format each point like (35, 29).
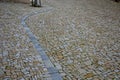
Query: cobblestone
(18, 57)
(80, 37)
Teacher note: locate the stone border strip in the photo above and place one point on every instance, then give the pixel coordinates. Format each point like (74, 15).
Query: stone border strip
(48, 64)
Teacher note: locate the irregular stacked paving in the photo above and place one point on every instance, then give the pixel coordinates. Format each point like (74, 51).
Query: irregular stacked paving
(19, 60)
(80, 37)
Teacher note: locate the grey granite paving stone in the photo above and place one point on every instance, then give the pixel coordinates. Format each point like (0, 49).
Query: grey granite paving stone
(16, 53)
(1, 72)
(83, 32)
(80, 37)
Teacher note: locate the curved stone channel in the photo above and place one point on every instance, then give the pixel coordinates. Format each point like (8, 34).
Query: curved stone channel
(52, 71)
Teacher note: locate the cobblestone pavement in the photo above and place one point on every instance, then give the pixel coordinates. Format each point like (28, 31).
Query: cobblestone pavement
(19, 60)
(54, 74)
(81, 38)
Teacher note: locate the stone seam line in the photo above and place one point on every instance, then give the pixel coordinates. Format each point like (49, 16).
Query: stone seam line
(53, 72)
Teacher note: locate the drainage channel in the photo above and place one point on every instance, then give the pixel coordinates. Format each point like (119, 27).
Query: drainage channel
(53, 72)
